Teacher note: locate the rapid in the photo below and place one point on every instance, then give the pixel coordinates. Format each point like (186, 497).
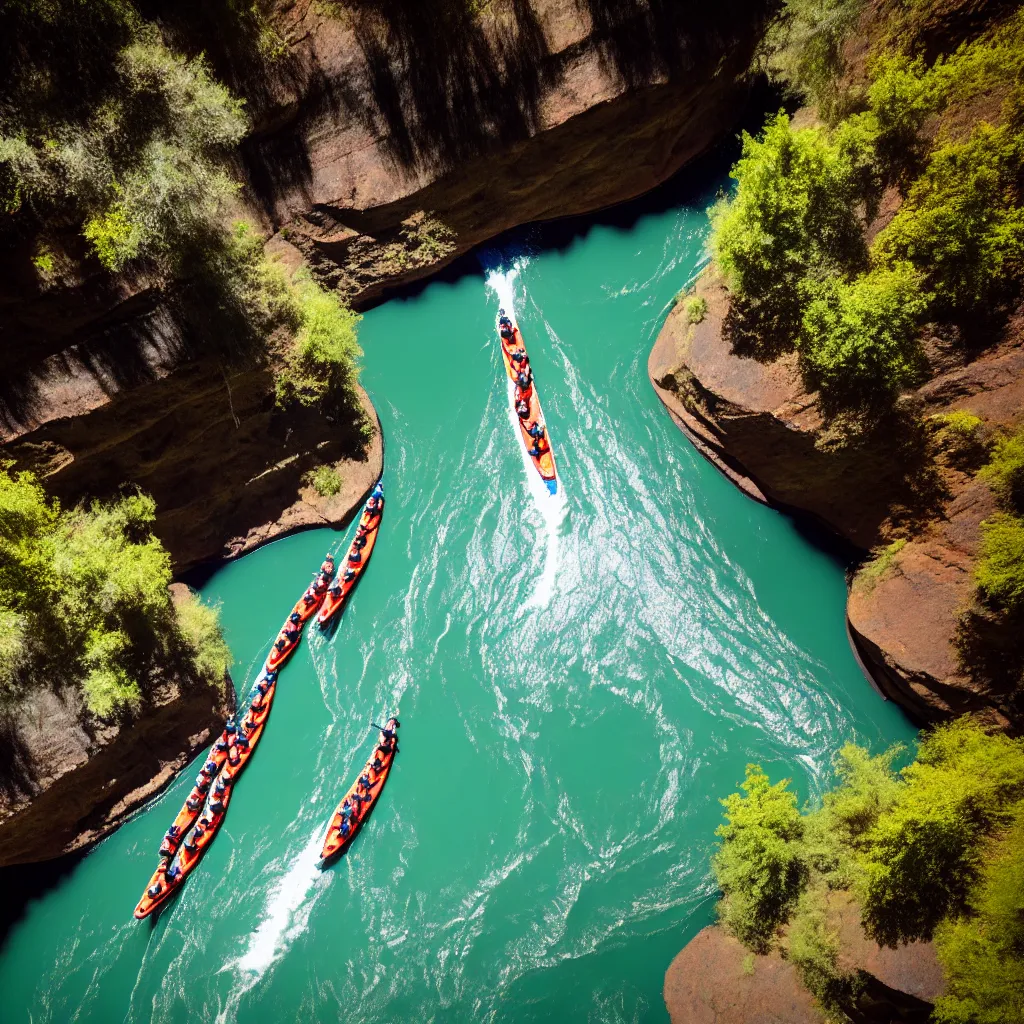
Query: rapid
(579, 680)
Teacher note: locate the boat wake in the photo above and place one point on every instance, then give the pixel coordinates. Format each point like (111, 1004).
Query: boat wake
(552, 507)
(285, 917)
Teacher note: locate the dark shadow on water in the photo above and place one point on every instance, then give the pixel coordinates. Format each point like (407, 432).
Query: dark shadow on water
(21, 884)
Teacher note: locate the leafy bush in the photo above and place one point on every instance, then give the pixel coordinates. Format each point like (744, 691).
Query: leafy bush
(859, 340)
(325, 480)
(959, 435)
(1005, 470)
(878, 567)
(813, 949)
(323, 367)
(199, 625)
(759, 864)
(84, 592)
(141, 165)
(696, 309)
(999, 571)
(791, 224)
(923, 856)
(961, 225)
(981, 953)
(805, 49)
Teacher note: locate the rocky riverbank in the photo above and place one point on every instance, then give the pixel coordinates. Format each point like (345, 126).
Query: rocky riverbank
(757, 423)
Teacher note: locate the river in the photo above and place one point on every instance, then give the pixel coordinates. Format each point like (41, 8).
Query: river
(578, 681)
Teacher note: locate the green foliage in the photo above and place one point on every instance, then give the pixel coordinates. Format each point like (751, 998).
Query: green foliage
(83, 594)
(1005, 470)
(982, 953)
(813, 949)
(923, 856)
(999, 571)
(879, 566)
(130, 143)
(962, 225)
(325, 480)
(804, 49)
(791, 224)
(959, 434)
(323, 367)
(696, 309)
(834, 833)
(759, 864)
(199, 625)
(859, 339)
(44, 262)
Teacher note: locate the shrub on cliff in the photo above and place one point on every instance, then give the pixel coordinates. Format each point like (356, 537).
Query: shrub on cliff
(934, 849)
(791, 223)
(759, 864)
(924, 854)
(132, 147)
(323, 367)
(981, 953)
(85, 592)
(858, 340)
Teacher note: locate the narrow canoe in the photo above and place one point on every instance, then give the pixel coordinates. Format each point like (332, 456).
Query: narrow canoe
(362, 800)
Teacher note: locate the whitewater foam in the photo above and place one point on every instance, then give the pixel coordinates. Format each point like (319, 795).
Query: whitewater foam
(552, 507)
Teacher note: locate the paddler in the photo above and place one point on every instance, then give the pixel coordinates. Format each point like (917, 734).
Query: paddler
(354, 556)
(349, 575)
(540, 446)
(522, 409)
(202, 782)
(328, 565)
(154, 890)
(536, 430)
(503, 321)
(193, 803)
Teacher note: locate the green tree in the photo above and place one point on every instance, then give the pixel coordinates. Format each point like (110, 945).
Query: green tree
(982, 952)
(923, 856)
(84, 599)
(859, 339)
(759, 864)
(791, 224)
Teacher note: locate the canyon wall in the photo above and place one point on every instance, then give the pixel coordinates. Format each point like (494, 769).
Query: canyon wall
(757, 422)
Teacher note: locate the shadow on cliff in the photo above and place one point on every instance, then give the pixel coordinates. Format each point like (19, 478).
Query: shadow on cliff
(643, 41)
(445, 84)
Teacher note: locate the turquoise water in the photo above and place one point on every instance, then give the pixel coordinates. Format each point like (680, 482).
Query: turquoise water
(578, 683)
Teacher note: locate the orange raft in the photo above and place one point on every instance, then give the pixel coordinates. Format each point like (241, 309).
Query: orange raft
(355, 808)
(172, 872)
(358, 555)
(517, 362)
(306, 606)
(193, 804)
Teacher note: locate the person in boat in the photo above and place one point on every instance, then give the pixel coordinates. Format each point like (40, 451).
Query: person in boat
(520, 357)
(230, 725)
(194, 802)
(216, 806)
(505, 330)
(172, 833)
(540, 446)
(327, 568)
(364, 781)
(345, 828)
(221, 787)
(355, 556)
(202, 782)
(373, 504)
(190, 840)
(210, 767)
(522, 409)
(346, 809)
(524, 379)
(377, 763)
(359, 541)
(309, 596)
(166, 850)
(154, 890)
(173, 872)
(503, 320)
(350, 575)
(536, 430)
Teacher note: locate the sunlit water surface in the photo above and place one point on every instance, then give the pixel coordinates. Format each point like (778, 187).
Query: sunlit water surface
(579, 680)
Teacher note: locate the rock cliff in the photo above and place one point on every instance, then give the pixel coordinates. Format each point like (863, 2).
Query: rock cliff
(759, 425)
